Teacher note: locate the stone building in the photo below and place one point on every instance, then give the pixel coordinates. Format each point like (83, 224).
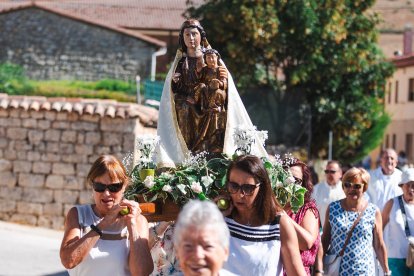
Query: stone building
(52, 44)
(47, 146)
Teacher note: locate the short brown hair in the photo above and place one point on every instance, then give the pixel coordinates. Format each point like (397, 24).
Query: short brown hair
(353, 172)
(265, 202)
(108, 164)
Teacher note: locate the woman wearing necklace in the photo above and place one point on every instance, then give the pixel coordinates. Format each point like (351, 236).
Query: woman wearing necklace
(358, 258)
(263, 241)
(395, 236)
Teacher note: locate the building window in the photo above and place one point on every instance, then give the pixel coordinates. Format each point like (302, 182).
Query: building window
(409, 146)
(411, 90)
(396, 92)
(394, 141)
(389, 92)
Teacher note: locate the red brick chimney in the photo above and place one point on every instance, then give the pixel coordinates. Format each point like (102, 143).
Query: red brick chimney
(408, 40)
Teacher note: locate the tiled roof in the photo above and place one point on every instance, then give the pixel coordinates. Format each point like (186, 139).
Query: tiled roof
(133, 14)
(52, 7)
(110, 108)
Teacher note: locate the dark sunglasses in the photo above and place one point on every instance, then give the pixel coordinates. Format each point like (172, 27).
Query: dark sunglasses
(246, 189)
(355, 186)
(298, 181)
(100, 188)
(330, 171)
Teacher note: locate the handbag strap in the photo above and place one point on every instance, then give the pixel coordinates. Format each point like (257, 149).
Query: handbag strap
(352, 229)
(404, 215)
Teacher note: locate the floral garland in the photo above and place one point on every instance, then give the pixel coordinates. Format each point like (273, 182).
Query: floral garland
(200, 178)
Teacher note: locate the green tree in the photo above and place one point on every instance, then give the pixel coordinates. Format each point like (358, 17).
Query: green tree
(322, 55)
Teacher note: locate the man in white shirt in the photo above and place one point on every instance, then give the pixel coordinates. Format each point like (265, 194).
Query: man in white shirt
(329, 190)
(384, 181)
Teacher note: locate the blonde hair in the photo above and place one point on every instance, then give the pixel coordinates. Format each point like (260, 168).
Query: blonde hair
(354, 172)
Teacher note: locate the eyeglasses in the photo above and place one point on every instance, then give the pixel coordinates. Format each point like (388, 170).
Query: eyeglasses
(298, 181)
(330, 171)
(100, 188)
(246, 189)
(355, 186)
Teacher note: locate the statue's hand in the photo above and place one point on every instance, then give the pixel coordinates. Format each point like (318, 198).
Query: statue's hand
(176, 77)
(214, 84)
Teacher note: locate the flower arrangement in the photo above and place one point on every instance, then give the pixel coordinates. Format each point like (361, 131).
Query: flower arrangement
(145, 148)
(284, 185)
(198, 177)
(245, 137)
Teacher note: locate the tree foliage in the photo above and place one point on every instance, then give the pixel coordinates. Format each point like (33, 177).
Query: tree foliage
(322, 52)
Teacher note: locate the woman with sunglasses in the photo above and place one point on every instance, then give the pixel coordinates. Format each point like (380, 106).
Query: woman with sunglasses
(263, 240)
(99, 239)
(358, 256)
(306, 219)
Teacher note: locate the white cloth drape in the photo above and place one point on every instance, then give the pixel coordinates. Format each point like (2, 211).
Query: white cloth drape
(172, 149)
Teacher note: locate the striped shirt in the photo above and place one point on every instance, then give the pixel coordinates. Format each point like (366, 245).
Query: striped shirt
(254, 250)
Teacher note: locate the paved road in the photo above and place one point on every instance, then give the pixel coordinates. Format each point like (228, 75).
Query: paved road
(29, 251)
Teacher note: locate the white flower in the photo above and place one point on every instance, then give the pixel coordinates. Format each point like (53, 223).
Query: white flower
(181, 187)
(196, 161)
(262, 136)
(196, 187)
(289, 180)
(145, 146)
(166, 175)
(149, 181)
(167, 188)
(245, 136)
(206, 180)
(279, 184)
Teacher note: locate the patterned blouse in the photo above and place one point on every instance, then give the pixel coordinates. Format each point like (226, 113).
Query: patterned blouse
(308, 256)
(163, 255)
(358, 258)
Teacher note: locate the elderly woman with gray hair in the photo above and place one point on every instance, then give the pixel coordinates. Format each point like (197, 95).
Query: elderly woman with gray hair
(201, 239)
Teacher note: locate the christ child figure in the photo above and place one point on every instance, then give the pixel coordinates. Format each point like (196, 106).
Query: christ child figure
(213, 82)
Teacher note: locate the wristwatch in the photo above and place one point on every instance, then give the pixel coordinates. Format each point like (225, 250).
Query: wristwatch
(96, 229)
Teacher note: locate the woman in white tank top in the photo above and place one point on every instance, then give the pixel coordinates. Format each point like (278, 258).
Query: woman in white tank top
(395, 237)
(98, 238)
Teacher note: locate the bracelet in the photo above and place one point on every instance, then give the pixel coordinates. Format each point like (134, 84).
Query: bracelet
(319, 271)
(96, 229)
(388, 273)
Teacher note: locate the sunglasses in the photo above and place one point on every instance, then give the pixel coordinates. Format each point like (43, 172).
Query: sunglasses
(298, 181)
(246, 189)
(330, 171)
(100, 188)
(355, 186)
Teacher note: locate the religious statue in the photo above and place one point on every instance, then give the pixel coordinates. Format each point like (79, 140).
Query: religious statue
(213, 95)
(186, 85)
(200, 105)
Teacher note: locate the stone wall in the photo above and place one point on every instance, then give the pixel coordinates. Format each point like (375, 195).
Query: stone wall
(52, 46)
(47, 148)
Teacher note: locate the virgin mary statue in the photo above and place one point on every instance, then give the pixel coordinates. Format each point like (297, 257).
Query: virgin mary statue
(188, 122)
